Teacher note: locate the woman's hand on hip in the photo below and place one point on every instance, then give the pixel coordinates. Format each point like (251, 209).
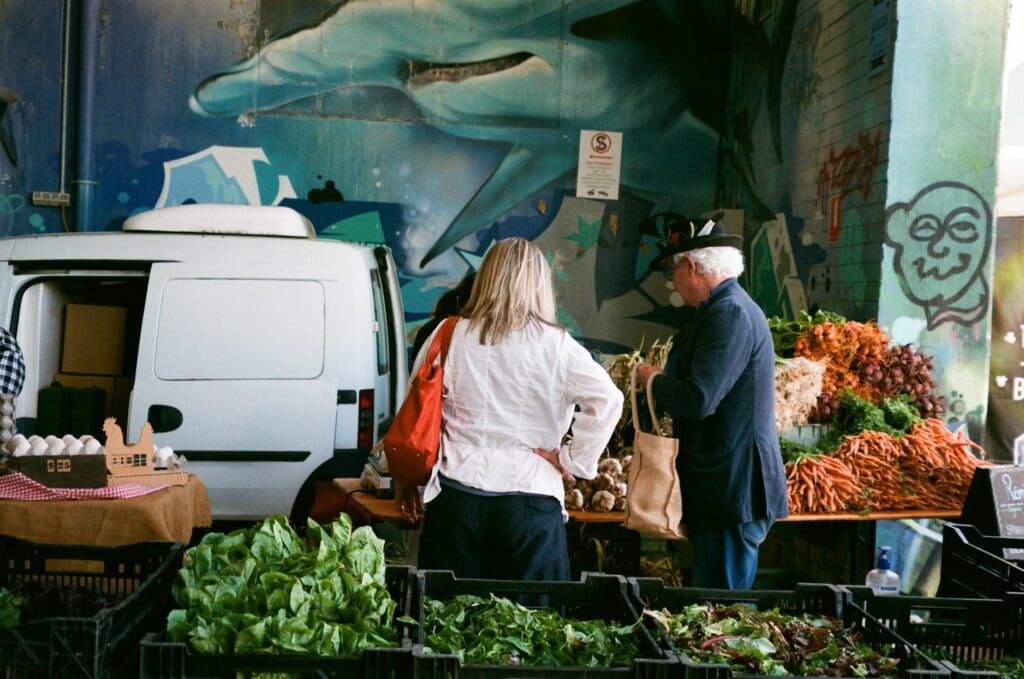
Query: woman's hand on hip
(552, 457)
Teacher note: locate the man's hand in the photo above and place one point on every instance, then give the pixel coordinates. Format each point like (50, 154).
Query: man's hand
(644, 372)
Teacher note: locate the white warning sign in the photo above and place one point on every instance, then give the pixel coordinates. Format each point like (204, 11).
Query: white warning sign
(599, 163)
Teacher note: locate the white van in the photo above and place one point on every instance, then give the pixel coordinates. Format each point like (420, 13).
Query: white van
(267, 357)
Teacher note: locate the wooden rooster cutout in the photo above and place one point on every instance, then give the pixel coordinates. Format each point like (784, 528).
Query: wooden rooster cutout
(124, 459)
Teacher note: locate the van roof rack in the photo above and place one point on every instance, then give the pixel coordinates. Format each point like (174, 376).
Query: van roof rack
(246, 220)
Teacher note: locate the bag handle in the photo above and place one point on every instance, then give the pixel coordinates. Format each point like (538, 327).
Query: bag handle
(442, 340)
(650, 401)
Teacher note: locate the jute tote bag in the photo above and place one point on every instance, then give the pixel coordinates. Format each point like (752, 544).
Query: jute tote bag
(654, 503)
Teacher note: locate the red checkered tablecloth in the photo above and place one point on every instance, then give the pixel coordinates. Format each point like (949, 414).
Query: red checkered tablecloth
(17, 486)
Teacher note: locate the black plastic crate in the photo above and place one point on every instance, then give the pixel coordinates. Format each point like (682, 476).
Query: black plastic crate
(816, 599)
(959, 631)
(594, 597)
(101, 645)
(161, 657)
(973, 564)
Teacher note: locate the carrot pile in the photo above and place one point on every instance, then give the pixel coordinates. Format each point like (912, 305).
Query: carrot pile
(928, 468)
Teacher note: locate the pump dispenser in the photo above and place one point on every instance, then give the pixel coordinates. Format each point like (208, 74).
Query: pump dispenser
(882, 579)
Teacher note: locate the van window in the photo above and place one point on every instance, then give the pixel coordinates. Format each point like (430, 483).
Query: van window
(380, 315)
(240, 329)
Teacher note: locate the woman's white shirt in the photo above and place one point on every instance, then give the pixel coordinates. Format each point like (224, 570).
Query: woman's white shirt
(503, 400)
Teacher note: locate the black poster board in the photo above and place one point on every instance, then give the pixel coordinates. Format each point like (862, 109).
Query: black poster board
(995, 504)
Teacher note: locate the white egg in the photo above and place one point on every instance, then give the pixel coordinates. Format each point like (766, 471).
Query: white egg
(32, 439)
(56, 448)
(21, 449)
(86, 438)
(68, 438)
(39, 447)
(163, 458)
(6, 435)
(7, 407)
(74, 448)
(92, 447)
(51, 439)
(7, 422)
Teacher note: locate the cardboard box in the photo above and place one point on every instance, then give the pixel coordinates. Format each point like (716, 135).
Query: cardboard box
(93, 339)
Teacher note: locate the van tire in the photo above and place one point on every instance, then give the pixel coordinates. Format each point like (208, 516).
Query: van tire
(303, 504)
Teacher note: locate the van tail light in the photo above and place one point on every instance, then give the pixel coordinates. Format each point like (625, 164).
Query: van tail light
(365, 436)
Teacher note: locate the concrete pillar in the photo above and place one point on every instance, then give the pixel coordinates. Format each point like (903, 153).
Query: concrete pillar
(936, 278)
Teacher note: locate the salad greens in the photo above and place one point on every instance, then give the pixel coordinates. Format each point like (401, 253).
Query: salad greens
(769, 642)
(265, 589)
(10, 608)
(497, 631)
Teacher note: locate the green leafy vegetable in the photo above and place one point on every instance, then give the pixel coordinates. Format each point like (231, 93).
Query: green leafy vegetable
(10, 608)
(769, 642)
(265, 589)
(497, 631)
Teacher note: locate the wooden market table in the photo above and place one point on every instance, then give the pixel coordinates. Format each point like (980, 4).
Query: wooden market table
(367, 508)
(169, 514)
(838, 545)
(371, 508)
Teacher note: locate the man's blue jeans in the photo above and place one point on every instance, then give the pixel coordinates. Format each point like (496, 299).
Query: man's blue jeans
(725, 557)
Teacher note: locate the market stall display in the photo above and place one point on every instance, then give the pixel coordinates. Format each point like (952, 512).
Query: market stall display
(807, 631)
(885, 450)
(79, 611)
(531, 629)
(264, 598)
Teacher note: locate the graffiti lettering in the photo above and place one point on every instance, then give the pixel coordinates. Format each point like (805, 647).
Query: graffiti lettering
(942, 238)
(849, 170)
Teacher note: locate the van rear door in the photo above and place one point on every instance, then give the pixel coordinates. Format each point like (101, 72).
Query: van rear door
(232, 373)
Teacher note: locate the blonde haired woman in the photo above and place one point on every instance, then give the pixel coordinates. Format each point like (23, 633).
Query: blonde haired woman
(515, 381)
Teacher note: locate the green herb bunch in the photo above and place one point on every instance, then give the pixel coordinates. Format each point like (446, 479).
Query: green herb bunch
(497, 631)
(265, 589)
(769, 642)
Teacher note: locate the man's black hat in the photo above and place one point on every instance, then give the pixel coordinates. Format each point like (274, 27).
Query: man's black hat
(682, 234)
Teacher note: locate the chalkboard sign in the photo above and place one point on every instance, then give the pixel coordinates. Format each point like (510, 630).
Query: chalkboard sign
(995, 504)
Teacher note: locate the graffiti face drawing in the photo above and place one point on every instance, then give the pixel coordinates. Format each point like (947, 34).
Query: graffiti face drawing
(942, 239)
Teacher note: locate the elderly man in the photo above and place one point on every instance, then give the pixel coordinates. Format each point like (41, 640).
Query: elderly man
(719, 388)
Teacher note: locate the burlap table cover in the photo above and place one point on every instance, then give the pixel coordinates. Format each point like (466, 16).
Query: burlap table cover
(167, 514)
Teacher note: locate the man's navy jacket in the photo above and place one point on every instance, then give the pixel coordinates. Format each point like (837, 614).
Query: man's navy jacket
(719, 388)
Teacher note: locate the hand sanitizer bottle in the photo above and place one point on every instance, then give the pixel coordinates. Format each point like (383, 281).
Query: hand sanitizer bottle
(882, 579)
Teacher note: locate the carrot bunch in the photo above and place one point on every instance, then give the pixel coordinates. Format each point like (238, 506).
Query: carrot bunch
(928, 468)
(938, 465)
(821, 484)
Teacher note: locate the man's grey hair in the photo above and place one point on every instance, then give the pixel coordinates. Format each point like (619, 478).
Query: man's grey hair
(722, 260)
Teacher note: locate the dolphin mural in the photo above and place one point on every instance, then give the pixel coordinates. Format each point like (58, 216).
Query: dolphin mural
(505, 71)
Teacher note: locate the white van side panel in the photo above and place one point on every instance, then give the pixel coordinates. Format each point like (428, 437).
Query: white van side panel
(280, 400)
(240, 329)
